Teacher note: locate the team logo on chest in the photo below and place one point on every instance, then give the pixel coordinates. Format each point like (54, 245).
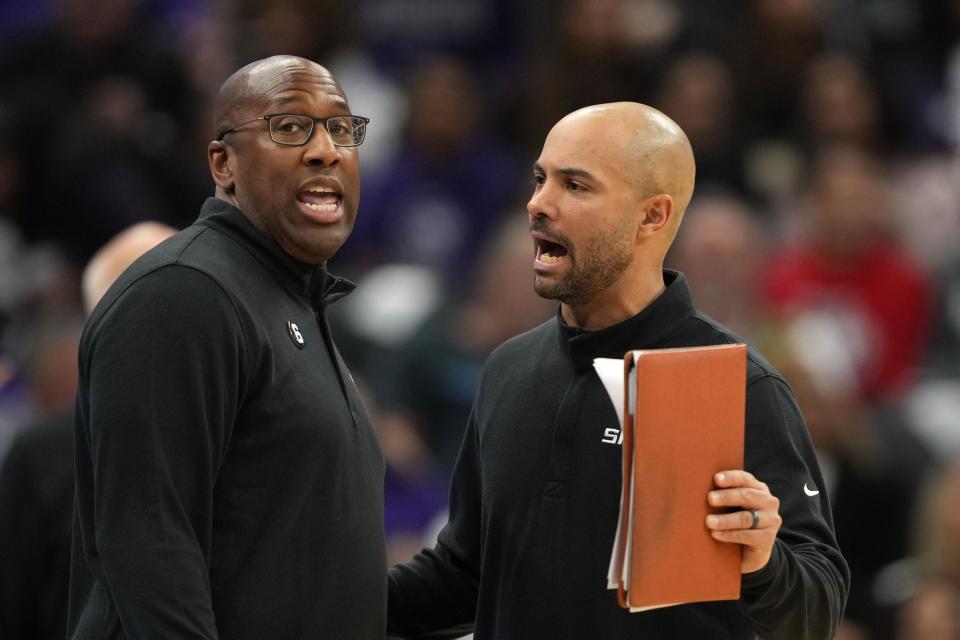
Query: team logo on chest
(294, 332)
(612, 435)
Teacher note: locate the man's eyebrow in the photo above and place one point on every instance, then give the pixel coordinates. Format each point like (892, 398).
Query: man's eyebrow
(574, 172)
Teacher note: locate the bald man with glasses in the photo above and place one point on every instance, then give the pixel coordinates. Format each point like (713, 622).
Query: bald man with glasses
(229, 482)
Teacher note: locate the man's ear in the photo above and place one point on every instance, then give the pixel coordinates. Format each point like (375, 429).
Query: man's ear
(655, 214)
(220, 159)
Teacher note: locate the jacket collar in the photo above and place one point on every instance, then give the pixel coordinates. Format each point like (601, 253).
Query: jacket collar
(648, 329)
(311, 282)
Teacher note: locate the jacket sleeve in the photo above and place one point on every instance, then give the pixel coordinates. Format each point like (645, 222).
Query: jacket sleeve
(160, 384)
(435, 594)
(802, 592)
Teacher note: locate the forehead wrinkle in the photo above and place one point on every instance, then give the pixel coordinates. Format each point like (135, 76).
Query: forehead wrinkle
(286, 82)
(293, 95)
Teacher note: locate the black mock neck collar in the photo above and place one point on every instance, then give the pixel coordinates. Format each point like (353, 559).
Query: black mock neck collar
(312, 282)
(646, 330)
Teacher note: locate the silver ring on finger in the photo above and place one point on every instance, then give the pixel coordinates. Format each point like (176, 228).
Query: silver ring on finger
(756, 519)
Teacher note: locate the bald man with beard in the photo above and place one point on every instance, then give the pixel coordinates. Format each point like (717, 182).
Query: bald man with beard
(229, 482)
(536, 488)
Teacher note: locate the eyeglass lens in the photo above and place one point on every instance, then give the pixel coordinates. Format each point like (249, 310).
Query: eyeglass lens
(345, 131)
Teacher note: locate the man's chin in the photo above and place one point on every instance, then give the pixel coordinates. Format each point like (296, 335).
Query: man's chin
(548, 288)
(569, 292)
(321, 244)
(316, 252)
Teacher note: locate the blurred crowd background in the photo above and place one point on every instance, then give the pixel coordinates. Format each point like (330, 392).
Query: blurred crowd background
(825, 227)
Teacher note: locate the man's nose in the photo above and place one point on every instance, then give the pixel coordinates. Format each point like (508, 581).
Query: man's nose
(320, 148)
(541, 203)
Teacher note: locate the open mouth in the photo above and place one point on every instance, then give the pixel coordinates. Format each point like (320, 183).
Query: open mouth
(550, 252)
(320, 198)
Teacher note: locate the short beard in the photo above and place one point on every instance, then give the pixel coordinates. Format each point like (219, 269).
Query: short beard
(606, 256)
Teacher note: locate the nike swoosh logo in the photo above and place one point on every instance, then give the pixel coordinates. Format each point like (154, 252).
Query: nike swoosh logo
(810, 492)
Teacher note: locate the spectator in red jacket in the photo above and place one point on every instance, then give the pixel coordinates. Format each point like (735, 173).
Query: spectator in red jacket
(847, 286)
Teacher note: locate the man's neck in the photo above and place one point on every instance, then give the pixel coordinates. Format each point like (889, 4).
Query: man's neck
(622, 300)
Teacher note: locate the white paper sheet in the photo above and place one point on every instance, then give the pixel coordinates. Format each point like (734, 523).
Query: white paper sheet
(610, 372)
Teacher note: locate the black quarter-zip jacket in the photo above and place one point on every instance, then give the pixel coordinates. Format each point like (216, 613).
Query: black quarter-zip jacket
(535, 496)
(229, 482)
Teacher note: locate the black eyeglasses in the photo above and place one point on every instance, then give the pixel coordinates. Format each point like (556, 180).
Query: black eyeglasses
(294, 129)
